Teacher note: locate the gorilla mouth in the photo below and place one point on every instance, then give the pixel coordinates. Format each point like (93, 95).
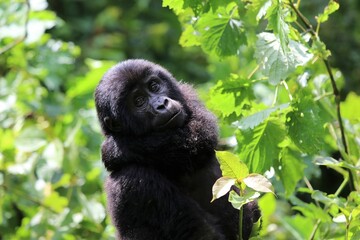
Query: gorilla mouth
(176, 120)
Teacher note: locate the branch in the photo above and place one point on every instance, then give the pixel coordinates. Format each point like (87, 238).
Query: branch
(336, 92)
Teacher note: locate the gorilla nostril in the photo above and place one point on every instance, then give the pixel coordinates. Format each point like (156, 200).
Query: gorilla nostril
(166, 102)
(161, 107)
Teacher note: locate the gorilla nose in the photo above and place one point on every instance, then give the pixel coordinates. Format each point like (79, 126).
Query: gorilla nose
(161, 103)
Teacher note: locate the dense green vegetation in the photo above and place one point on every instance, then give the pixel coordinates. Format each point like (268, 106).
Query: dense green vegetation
(273, 71)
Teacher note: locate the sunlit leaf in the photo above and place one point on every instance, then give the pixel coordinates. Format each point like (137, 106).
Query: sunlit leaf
(221, 33)
(222, 186)
(276, 62)
(290, 169)
(306, 128)
(329, 9)
(231, 166)
(175, 5)
(347, 107)
(257, 118)
(259, 146)
(258, 182)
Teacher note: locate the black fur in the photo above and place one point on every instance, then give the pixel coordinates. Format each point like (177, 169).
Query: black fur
(160, 182)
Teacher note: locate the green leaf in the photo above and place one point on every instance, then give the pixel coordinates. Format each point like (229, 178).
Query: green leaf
(306, 128)
(275, 61)
(175, 5)
(189, 37)
(257, 118)
(229, 97)
(290, 169)
(238, 201)
(276, 22)
(329, 9)
(259, 146)
(221, 33)
(262, 6)
(31, 139)
(222, 186)
(258, 182)
(231, 166)
(318, 48)
(347, 107)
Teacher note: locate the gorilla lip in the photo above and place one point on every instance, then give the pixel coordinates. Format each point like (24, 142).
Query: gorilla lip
(172, 119)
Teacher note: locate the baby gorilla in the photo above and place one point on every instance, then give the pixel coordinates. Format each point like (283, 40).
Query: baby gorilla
(159, 149)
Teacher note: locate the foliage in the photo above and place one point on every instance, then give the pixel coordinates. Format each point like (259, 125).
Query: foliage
(281, 98)
(274, 91)
(50, 178)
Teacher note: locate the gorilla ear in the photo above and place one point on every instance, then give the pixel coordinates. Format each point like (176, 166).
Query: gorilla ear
(112, 125)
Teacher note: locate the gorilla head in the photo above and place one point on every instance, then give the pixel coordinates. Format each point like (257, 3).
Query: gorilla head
(142, 94)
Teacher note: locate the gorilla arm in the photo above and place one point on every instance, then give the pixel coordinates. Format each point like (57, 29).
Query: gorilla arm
(141, 200)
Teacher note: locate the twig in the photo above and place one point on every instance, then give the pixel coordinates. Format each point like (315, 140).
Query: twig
(337, 102)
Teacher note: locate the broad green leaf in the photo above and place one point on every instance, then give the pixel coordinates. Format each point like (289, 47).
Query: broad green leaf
(305, 126)
(221, 33)
(347, 107)
(238, 201)
(231, 166)
(175, 5)
(275, 61)
(290, 168)
(276, 22)
(263, 6)
(222, 186)
(257, 118)
(31, 139)
(258, 147)
(225, 102)
(267, 204)
(258, 182)
(189, 37)
(329, 9)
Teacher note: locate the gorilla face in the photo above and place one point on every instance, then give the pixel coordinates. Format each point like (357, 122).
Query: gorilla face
(139, 100)
(150, 102)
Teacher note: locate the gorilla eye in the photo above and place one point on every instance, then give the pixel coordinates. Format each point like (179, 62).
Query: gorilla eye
(139, 101)
(154, 86)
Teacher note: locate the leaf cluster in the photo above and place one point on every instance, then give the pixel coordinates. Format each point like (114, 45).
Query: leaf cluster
(278, 93)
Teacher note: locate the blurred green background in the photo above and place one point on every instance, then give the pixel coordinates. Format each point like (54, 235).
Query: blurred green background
(51, 175)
